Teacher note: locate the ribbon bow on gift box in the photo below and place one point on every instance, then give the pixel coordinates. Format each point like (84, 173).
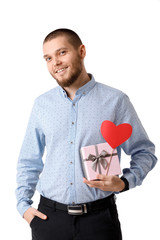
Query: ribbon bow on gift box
(99, 159)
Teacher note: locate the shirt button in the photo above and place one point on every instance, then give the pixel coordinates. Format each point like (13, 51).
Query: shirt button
(72, 123)
(71, 142)
(71, 162)
(73, 104)
(71, 183)
(84, 93)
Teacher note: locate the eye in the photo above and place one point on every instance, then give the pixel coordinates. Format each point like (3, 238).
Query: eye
(62, 52)
(48, 59)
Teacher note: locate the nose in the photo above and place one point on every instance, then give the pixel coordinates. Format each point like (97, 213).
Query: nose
(56, 62)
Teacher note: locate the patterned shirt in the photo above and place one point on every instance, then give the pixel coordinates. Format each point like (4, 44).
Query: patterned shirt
(62, 126)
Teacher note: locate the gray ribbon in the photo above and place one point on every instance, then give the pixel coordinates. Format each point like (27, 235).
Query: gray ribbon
(99, 159)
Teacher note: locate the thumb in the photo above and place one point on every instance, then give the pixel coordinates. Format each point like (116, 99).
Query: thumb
(40, 215)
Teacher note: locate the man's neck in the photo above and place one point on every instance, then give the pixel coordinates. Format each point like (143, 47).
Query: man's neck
(81, 80)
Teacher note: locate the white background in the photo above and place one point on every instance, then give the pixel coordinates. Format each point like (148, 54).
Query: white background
(122, 38)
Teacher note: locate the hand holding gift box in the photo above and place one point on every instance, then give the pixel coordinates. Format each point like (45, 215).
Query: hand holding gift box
(103, 158)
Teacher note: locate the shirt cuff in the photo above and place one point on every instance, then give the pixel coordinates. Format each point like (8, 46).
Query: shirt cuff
(22, 207)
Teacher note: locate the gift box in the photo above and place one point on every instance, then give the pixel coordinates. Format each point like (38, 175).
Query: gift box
(99, 159)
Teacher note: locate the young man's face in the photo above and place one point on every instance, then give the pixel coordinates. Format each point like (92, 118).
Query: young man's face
(64, 62)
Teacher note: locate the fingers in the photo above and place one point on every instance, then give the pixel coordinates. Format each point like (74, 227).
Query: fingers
(90, 183)
(102, 177)
(95, 184)
(99, 177)
(30, 213)
(40, 215)
(106, 183)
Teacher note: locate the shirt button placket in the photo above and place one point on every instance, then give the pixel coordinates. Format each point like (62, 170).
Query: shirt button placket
(72, 149)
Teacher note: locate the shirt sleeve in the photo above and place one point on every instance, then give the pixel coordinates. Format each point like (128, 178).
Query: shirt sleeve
(30, 162)
(139, 146)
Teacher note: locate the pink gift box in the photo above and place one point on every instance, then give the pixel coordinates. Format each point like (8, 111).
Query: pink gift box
(99, 159)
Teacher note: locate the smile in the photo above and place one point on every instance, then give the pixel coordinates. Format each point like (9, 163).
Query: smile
(61, 70)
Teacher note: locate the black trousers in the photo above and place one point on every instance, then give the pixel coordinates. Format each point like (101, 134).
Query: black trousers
(98, 225)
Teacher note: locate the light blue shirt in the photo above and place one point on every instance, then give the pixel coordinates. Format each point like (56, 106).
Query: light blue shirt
(63, 126)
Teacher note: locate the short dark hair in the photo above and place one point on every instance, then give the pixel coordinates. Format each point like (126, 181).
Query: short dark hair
(73, 37)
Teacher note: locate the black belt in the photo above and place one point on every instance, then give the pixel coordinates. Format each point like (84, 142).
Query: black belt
(79, 209)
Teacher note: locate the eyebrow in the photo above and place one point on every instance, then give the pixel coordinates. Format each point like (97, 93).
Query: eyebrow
(58, 50)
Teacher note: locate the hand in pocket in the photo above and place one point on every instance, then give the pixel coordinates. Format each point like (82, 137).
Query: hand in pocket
(31, 213)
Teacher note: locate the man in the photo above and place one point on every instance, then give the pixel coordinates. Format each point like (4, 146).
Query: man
(63, 120)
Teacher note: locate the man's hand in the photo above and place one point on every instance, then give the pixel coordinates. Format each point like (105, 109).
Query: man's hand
(31, 213)
(106, 183)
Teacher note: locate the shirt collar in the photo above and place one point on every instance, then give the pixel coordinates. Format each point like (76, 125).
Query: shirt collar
(84, 89)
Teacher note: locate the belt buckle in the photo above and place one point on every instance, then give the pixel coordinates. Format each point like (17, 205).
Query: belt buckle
(77, 209)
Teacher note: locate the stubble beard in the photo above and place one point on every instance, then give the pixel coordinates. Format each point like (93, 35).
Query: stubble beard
(67, 82)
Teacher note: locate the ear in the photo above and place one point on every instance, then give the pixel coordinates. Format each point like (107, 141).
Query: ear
(82, 51)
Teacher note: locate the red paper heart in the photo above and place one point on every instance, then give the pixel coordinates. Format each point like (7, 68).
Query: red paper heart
(115, 135)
